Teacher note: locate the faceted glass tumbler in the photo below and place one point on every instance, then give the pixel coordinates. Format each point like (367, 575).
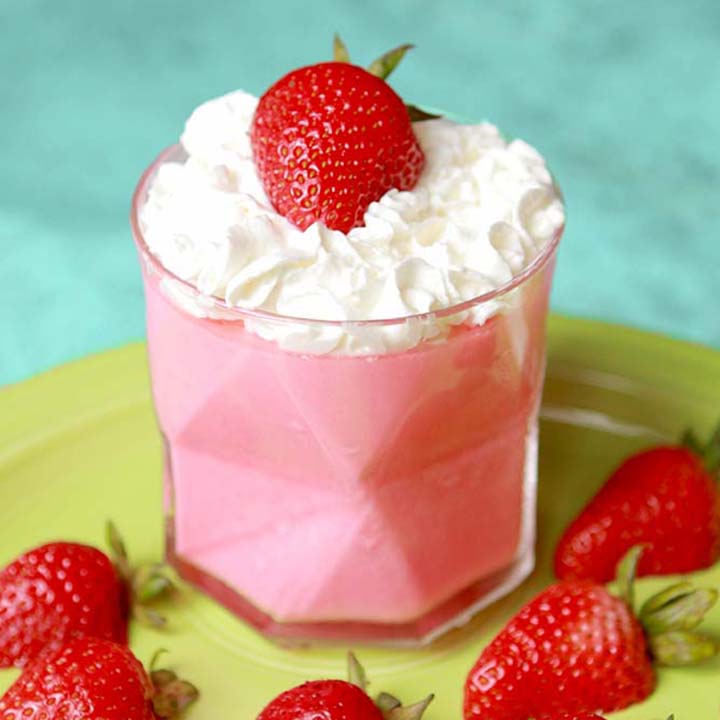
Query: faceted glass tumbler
(381, 498)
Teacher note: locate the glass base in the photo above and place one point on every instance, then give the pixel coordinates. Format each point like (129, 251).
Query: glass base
(455, 612)
(452, 613)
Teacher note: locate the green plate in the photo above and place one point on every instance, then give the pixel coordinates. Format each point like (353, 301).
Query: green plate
(79, 445)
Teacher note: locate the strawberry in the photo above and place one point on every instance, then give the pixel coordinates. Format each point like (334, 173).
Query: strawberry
(576, 648)
(331, 699)
(94, 679)
(340, 700)
(55, 592)
(331, 138)
(665, 498)
(64, 590)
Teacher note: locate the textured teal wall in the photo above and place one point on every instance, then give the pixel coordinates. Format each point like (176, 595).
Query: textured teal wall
(622, 97)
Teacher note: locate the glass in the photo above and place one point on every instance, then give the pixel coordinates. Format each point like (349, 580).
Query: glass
(382, 498)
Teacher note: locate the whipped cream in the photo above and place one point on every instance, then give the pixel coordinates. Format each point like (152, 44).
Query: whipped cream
(481, 212)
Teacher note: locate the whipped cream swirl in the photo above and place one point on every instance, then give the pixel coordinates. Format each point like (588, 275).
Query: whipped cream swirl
(481, 211)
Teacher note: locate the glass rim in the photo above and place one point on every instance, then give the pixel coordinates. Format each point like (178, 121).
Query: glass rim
(231, 312)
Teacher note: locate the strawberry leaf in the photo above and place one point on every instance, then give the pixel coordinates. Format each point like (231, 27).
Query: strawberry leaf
(387, 702)
(390, 707)
(664, 597)
(173, 698)
(709, 451)
(149, 617)
(418, 114)
(156, 656)
(161, 678)
(684, 611)
(356, 672)
(386, 63)
(119, 551)
(340, 51)
(150, 583)
(679, 648)
(171, 694)
(145, 584)
(626, 573)
(668, 617)
(411, 712)
(691, 441)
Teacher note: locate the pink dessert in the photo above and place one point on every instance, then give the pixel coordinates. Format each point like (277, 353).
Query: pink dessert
(334, 490)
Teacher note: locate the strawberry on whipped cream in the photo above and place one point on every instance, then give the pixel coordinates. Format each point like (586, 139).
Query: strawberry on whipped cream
(481, 212)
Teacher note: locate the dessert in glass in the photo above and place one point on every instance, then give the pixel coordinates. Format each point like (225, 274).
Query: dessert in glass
(349, 418)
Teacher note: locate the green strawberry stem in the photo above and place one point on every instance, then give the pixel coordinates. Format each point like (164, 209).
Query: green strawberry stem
(171, 694)
(145, 584)
(670, 616)
(712, 451)
(679, 607)
(677, 648)
(709, 451)
(383, 66)
(152, 665)
(419, 115)
(390, 707)
(340, 51)
(356, 672)
(626, 574)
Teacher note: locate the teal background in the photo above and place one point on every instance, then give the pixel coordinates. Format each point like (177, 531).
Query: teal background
(622, 97)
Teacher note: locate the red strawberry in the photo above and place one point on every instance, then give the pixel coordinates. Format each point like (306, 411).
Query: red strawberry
(66, 590)
(576, 648)
(331, 138)
(56, 592)
(340, 700)
(331, 699)
(665, 498)
(94, 679)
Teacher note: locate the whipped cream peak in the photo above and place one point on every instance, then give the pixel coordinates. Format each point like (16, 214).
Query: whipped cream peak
(481, 212)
